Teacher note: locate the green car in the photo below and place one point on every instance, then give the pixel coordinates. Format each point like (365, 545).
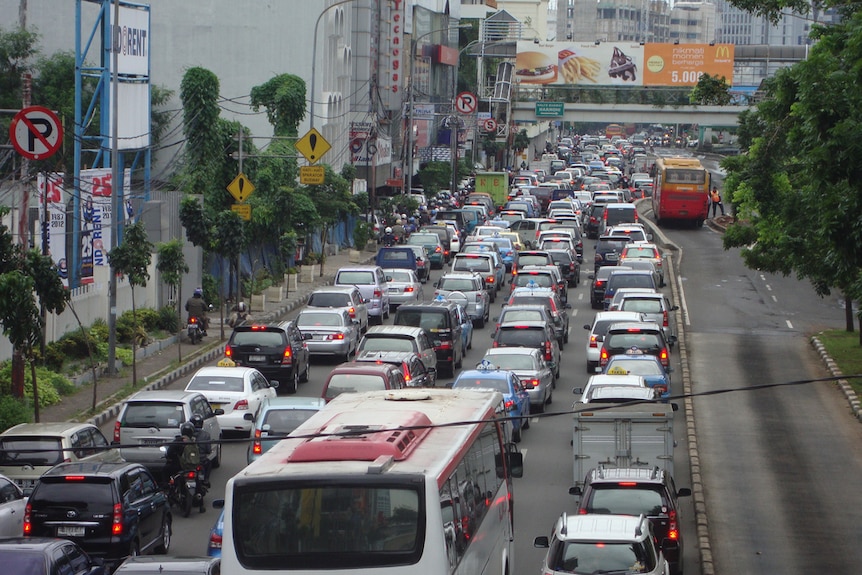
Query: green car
(431, 242)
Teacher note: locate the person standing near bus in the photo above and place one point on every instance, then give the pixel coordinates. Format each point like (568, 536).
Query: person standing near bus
(715, 199)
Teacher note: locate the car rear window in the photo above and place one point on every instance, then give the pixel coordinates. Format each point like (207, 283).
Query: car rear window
(313, 319)
(500, 385)
(617, 281)
(523, 280)
(644, 499)
(387, 343)
(31, 450)
(153, 414)
(329, 300)
(427, 319)
(258, 338)
(642, 340)
(283, 421)
(531, 260)
(457, 284)
(529, 300)
(524, 337)
(395, 256)
(513, 362)
(92, 493)
(560, 257)
(522, 315)
(642, 305)
(356, 277)
(352, 383)
(472, 265)
(215, 383)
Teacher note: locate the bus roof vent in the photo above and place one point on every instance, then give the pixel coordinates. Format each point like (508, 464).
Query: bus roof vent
(344, 439)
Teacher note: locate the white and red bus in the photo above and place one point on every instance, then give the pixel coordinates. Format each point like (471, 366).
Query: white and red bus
(401, 482)
(680, 190)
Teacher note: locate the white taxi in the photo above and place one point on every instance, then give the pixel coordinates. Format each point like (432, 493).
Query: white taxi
(236, 390)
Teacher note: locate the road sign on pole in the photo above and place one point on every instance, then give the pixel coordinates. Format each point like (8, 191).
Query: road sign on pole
(490, 125)
(466, 102)
(36, 133)
(240, 188)
(312, 146)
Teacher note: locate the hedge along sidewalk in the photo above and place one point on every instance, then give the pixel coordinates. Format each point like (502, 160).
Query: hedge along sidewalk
(162, 368)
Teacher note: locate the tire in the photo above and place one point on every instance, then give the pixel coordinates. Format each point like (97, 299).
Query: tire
(550, 399)
(216, 462)
(457, 365)
(470, 341)
(165, 545)
(185, 501)
(135, 549)
(516, 436)
(480, 323)
(539, 408)
(307, 372)
(525, 423)
(294, 387)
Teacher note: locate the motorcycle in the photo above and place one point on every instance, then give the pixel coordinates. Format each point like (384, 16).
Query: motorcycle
(389, 240)
(195, 329)
(186, 490)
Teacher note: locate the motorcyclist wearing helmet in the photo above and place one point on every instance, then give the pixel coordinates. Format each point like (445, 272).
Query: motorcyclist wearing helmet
(204, 443)
(197, 307)
(388, 237)
(238, 314)
(398, 231)
(183, 453)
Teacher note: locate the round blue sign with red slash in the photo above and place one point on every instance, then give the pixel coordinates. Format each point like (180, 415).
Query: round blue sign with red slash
(36, 133)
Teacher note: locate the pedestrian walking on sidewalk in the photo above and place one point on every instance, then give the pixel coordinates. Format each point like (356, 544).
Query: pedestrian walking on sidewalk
(715, 199)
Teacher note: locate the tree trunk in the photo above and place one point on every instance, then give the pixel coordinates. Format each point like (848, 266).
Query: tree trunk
(35, 391)
(89, 352)
(848, 314)
(180, 321)
(17, 374)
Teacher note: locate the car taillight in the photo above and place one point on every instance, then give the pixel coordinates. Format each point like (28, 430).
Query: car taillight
(548, 356)
(228, 352)
(603, 357)
(117, 522)
(242, 405)
(664, 357)
(531, 383)
(598, 257)
(408, 289)
(438, 250)
(672, 527)
(28, 526)
(256, 446)
(662, 389)
(594, 342)
(636, 215)
(407, 376)
(510, 405)
(664, 318)
(117, 431)
(600, 283)
(378, 293)
(490, 279)
(444, 345)
(352, 312)
(495, 344)
(335, 336)
(572, 266)
(215, 541)
(478, 297)
(287, 357)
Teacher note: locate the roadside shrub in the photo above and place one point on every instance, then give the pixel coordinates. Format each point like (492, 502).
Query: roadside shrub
(168, 320)
(149, 318)
(48, 383)
(126, 330)
(54, 357)
(99, 330)
(12, 412)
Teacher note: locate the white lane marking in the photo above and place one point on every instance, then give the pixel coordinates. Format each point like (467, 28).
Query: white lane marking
(768, 287)
(683, 304)
(790, 325)
(775, 299)
(574, 312)
(581, 296)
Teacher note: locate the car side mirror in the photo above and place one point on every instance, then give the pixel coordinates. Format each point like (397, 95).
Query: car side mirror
(568, 306)
(578, 390)
(218, 411)
(248, 417)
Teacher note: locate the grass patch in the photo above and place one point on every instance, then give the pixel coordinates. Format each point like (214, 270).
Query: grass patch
(844, 348)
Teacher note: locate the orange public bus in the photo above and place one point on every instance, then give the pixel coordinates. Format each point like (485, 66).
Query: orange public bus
(680, 190)
(614, 130)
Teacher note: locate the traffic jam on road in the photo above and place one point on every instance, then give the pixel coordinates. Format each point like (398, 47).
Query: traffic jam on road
(480, 289)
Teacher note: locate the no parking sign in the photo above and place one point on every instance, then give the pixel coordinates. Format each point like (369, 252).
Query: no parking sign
(36, 133)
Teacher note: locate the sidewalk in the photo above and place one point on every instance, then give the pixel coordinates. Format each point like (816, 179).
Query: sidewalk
(162, 366)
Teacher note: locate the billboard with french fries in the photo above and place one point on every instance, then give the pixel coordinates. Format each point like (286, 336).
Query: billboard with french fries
(620, 63)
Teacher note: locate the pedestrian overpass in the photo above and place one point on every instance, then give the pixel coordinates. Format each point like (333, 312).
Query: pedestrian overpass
(624, 113)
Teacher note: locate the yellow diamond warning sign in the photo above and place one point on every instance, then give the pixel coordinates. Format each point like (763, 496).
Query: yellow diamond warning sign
(312, 146)
(240, 188)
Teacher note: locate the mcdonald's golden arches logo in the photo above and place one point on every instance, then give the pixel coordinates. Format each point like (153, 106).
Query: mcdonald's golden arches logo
(722, 52)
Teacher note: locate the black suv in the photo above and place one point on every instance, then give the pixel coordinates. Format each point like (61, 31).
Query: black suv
(638, 491)
(441, 322)
(608, 250)
(570, 269)
(277, 350)
(593, 220)
(111, 510)
(410, 364)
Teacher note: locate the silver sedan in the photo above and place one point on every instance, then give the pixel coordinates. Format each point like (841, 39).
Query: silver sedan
(531, 368)
(404, 287)
(332, 331)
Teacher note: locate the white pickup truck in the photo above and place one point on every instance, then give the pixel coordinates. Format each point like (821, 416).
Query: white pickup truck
(638, 435)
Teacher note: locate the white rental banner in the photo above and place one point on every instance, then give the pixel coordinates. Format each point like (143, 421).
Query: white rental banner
(131, 40)
(96, 218)
(56, 216)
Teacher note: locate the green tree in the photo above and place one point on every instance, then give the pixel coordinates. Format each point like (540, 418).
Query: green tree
(171, 264)
(132, 258)
(794, 215)
(284, 100)
(199, 93)
(17, 48)
(435, 176)
(333, 201)
(711, 91)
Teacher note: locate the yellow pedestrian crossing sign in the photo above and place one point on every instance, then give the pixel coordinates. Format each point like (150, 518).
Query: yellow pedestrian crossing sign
(240, 188)
(312, 146)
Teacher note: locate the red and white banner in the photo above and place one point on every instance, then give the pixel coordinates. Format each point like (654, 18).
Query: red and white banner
(52, 184)
(96, 218)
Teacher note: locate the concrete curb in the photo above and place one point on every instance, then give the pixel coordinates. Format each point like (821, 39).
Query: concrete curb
(114, 410)
(849, 393)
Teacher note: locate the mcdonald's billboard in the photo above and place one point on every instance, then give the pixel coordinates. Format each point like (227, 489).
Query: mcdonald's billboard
(621, 63)
(684, 64)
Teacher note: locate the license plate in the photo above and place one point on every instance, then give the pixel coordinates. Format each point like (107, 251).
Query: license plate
(257, 358)
(612, 257)
(151, 441)
(394, 290)
(64, 531)
(215, 405)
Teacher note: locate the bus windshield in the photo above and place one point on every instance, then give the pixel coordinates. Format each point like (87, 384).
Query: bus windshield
(322, 525)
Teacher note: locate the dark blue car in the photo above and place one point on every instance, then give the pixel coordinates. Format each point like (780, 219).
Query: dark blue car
(488, 376)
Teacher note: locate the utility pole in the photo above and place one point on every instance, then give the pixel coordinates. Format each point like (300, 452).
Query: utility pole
(115, 189)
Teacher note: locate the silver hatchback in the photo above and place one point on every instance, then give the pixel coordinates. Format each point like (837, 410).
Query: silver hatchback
(467, 289)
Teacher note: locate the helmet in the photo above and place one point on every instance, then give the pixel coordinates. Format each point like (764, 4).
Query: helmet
(197, 420)
(199, 292)
(388, 230)
(187, 429)
(398, 222)
(411, 219)
(240, 307)
(403, 216)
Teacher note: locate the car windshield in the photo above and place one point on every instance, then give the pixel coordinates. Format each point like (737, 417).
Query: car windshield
(329, 300)
(604, 557)
(531, 260)
(313, 319)
(524, 279)
(635, 367)
(355, 278)
(473, 382)
(31, 451)
(386, 343)
(515, 361)
(215, 383)
(457, 284)
(160, 414)
(352, 383)
(613, 499)
(283, 421)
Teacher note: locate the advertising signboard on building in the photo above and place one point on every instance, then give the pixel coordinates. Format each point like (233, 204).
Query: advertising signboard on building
(621, 63)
